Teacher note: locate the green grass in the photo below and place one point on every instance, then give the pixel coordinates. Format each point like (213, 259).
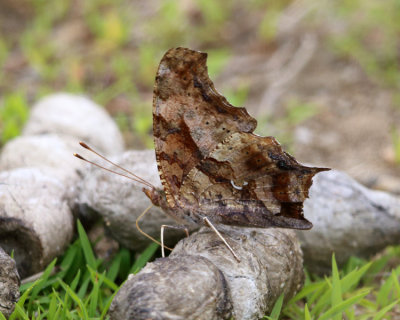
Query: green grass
(105, 62)
(371, 38)
(361, 290)
(82, 286)
(13, 108)
(396, 145)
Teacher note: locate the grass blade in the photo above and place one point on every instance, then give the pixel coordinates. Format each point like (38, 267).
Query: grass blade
(35, 291)
(276, 310)
(336, 295)
(94, 295)
(341, 307)
(23, 298)
(75, 282)
(384, 291)
(84, 285)
(125, 264)
(112, 272)
(307, 290)
(53, 306)
(350, 314)
(307, 315)
(20, 312)
(353, 278)
(56, 316)
(69, 259)
(78, 301)
(86, 246)
(103, 278)
(346, 283)
(396, 284)
(108, 304)
(385, 310)
(144, 258)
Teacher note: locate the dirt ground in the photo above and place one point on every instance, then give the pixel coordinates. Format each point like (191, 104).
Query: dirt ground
(353, 128)
(353, 132)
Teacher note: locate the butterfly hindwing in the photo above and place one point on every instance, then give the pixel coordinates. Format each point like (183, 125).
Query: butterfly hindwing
(249, 180)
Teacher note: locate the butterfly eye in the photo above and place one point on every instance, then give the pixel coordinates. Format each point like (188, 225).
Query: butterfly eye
(207, 123)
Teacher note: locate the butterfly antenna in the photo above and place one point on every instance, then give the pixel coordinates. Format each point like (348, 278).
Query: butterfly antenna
(135, 177)
(109, 170)
(144, 233)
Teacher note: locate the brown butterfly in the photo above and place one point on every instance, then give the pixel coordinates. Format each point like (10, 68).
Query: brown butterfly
(213, 168)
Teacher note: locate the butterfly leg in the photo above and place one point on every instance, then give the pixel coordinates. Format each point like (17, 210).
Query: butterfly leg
(208, 222)
(147, 235)
(162, 235)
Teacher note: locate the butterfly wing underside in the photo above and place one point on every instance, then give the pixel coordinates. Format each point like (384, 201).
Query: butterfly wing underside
(190, 117)
(249, 180)
(210, 163)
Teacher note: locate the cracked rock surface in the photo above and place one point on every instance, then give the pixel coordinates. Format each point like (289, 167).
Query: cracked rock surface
(35, 219)
(9, 283)
(202, 280)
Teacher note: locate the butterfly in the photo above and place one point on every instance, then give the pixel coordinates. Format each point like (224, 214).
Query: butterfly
(212, 166)
(214, 170)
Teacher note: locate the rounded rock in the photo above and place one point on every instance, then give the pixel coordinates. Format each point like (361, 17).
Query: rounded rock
(183, 287)
(43, 151)
(9, 284)
(35, 220)
(349, 220)
(270, 264)
(75, 116)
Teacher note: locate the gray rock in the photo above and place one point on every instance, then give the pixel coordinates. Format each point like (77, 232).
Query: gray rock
(9, 284)
(186, 285)
(348, 219)
(181, 288)
(75, 116)
(47, 151)
(35, 220)
(43, 151)
(271, 264)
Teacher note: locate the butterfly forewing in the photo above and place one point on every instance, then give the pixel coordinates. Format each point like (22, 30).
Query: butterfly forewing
(189, 117)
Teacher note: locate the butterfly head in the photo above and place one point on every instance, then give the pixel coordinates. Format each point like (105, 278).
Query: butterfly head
(156, 196)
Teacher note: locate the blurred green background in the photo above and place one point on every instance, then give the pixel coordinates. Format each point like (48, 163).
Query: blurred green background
(109, 51)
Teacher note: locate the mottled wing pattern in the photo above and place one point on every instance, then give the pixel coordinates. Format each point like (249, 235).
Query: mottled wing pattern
(248, 180)
(190, 118)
